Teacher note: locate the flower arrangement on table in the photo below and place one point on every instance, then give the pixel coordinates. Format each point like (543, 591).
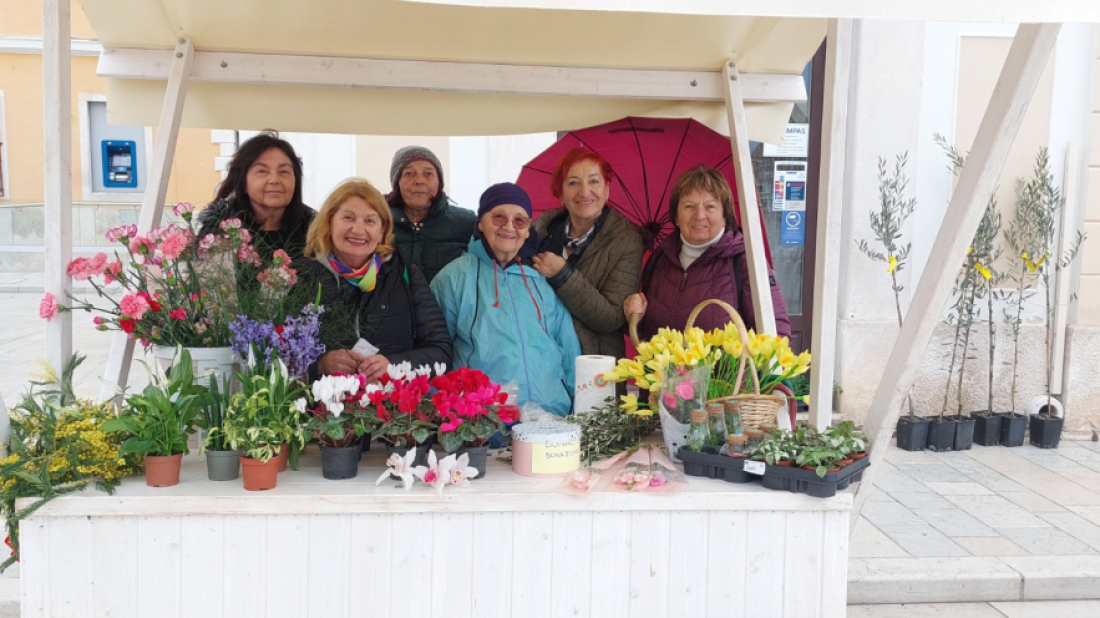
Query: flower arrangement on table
(56, 446)
(339, 415)
(471, 408)
(405, 414)
(265, 415)
(177, 289)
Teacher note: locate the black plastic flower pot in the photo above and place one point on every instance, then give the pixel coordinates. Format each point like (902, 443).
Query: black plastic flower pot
(478, 456)
(912, 433)
(941, 434)
(1046, 431)
(1013, 428)
(340, 462)
(987, 429)
(964, 432)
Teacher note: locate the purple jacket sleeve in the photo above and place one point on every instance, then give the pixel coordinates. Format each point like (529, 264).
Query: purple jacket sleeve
(779, 306)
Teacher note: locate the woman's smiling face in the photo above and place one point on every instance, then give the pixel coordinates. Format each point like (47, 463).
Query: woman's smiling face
(356, 231)
(699, 217)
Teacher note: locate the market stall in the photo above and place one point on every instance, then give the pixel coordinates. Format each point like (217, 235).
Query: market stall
(508, 546)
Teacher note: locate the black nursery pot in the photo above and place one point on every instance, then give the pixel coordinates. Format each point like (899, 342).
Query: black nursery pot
(941, 434)
(912, 433)
(1013, 427)
(987, 429)
(964, 432)
(1046, 432)
(340, 462)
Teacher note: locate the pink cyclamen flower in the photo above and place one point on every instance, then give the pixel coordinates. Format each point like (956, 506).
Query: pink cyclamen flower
(685, 389)
(450, 425)
(133, 305)
(47, 308)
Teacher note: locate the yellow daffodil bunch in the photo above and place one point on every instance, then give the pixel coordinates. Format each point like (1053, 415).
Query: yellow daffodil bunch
(774, 361)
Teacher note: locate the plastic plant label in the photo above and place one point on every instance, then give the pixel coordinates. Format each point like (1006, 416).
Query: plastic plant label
(754, 467)
(555, 457)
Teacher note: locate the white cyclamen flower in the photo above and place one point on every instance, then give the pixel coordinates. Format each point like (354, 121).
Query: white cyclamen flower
(402, 468)
(300, 405)
(440, 369)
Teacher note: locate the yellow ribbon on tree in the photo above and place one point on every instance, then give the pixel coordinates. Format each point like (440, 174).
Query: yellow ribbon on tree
(1033, 266)
(893, 265)
(983, 270)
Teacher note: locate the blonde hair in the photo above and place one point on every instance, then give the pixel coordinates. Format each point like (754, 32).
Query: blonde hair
(319, 239)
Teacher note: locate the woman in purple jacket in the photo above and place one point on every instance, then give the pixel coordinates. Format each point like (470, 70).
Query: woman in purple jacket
(706, 259)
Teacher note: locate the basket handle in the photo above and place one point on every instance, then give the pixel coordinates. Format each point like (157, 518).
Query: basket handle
(632, 322)
(746, 360)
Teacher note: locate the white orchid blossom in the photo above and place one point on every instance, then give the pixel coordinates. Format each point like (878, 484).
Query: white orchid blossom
(438, 473)
(402, 468)
(462, 471)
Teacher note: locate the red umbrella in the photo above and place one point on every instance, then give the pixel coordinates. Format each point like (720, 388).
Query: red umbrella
(647, 155)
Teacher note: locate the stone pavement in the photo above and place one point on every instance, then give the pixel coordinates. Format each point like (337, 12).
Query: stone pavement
(986, 525)
(1031, 609)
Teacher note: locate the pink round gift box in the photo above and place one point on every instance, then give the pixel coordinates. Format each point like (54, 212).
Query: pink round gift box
(555, 434)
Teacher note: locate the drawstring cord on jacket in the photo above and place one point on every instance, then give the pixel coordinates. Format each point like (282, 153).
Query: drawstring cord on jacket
(496, 292)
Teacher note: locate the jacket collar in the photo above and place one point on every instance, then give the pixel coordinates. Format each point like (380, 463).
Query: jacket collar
(731, 244)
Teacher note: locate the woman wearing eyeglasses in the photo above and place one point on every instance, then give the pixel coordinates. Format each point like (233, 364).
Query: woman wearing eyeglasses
(503, 316)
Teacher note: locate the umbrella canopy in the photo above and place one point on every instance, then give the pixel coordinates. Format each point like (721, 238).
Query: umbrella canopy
(647, 156)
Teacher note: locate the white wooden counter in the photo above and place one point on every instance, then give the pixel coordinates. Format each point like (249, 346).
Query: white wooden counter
(509, 546)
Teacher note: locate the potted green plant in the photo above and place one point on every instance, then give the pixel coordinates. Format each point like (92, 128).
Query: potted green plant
(887, 222)
(773, 450)
(336, 417)
(471, 410)
(257, 442)
(159, 420)
(406, 418)
(274, 393)
(222, 463)
(821, 457)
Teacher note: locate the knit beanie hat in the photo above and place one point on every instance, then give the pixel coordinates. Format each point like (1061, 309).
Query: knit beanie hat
(504, 193)
(407, 155)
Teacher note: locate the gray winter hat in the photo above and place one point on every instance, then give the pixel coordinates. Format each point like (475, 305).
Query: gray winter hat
(407, 155)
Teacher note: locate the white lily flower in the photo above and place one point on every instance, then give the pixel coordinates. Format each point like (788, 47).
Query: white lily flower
(401, 467)
(462, 471)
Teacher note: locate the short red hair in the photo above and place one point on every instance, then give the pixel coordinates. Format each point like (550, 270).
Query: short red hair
(571, 158)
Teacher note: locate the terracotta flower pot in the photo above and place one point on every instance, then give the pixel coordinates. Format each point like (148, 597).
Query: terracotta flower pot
(845, 462)
(282, 456)
(163, 471)
(786, 463)
(259, 475)
(858, 455)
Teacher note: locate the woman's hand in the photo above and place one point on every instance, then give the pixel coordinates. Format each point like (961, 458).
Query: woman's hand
(548, 264)
(340, 361)
(372, 367)
(635, 303)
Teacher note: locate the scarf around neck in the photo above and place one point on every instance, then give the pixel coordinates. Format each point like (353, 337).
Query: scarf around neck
(363, 278)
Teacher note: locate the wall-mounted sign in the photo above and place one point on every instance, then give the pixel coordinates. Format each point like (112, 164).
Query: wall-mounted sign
(793, 231)
(796, 142)
(789, 188)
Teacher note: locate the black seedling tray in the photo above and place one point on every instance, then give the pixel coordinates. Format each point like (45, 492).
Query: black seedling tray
(801, 481)
(713, 466)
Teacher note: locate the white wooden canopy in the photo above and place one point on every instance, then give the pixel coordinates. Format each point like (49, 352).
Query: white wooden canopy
(386, 67)
(455, 67)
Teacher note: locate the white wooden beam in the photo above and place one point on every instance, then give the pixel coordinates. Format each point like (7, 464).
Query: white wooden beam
(1026, 59)
(749, 201)
(156, 188)
(57, 137)
(830, 208)
(343, 72)
(1063, 280)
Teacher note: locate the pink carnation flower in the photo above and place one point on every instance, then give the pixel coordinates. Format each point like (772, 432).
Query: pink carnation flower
(173, 245)
(133, 305)
(82, 268)
(230, 224)
(47, 308)
(110, 271)
(182, 208)
(121, 233)
(142, 246)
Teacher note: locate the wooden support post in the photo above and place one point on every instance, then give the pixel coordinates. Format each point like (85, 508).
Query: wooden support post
(831, 190)
(749, 201)
(1063, 280)
(152, 204)
(1026, 59)
(57, 135)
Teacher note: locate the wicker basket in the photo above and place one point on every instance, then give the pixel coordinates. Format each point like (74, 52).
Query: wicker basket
(756, 409)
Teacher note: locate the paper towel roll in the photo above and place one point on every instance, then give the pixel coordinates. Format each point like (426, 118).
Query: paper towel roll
(591, 389)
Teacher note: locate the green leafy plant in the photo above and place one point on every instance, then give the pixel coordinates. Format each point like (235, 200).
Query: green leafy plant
(821, 458)
(606, 430)
(163, 415)
(214, 403)
(773, 449)
(264, 414)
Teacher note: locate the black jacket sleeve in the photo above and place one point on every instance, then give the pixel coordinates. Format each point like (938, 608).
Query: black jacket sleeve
(433, 342)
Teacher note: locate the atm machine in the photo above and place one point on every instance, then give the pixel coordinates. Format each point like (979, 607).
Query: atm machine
(119, 163)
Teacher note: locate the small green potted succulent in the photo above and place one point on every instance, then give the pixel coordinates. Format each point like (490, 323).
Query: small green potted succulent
(821, 458)
(159, 420)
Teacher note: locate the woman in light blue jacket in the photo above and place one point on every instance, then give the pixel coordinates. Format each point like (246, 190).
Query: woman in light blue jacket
(503, 316)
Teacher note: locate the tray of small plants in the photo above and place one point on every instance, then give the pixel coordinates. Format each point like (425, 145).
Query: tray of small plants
(804, 460)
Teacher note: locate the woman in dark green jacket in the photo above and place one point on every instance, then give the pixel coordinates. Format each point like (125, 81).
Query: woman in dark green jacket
(429, 229)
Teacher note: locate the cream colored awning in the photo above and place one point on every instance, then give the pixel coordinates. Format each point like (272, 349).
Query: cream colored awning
(272, 31)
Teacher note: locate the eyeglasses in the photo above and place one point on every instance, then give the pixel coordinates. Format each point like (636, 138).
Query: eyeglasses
(518, 222)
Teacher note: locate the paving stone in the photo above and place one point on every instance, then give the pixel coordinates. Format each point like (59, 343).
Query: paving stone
(1046, 609)
(1031, 501)
(878, 495)
(1046, 541)
(925, 610)
(1048, 578)
(921, 500)
(1091, 513)
(1049, 460)
(997, 512)
(989, 546)
(895, 480)
(968, 488)
(1059, 490)
(1078, 451)
(932, 472)
(955, 522)
(986, 476)
(931, 580)
(890, 514)
(895, 456)
(1076, 526)
(923, 541)
(867, 541)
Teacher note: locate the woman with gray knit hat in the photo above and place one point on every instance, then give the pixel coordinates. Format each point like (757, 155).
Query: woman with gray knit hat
(430, 230)
(503, 316)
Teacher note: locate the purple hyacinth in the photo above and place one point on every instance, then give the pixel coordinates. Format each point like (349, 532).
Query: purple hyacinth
(257, 335)
(299, 344)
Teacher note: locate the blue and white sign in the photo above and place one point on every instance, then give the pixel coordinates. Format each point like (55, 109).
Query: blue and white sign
(789, 190)
(793, 231)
